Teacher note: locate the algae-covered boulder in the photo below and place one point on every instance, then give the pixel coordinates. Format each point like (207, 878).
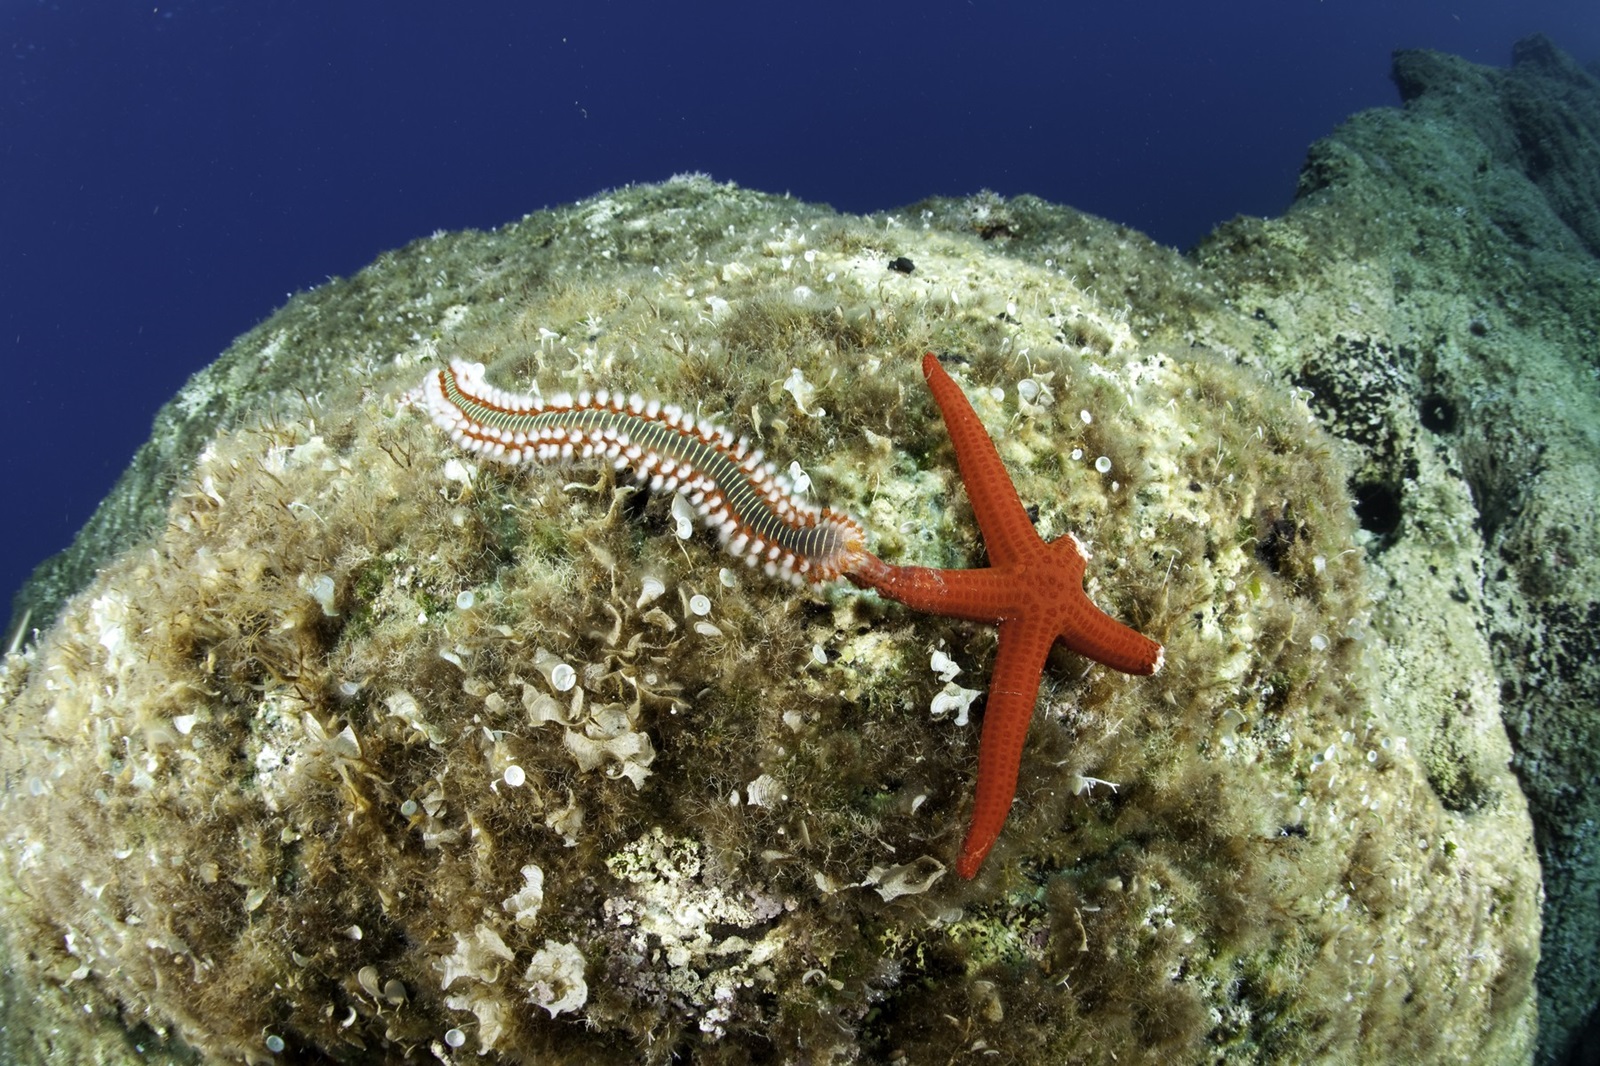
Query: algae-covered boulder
(374, 750)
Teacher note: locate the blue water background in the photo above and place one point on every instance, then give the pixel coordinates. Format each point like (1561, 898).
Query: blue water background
(170, 172)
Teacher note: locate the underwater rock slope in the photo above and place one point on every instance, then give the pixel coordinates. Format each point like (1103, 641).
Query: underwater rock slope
(373, 749)
(1438, 278)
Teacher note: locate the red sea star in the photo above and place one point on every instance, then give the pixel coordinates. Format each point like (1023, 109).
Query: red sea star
(1032, 590)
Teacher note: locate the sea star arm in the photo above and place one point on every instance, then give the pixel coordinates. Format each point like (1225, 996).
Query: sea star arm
(1024, 643)
(1007, 531)
(976, 595)
(1105, 640)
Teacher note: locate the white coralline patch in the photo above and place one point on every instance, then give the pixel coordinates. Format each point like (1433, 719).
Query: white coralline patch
(542, 707)
(558, 673)
(709, 941)
(555, 978)
(799, 480)
(803, 392)
(525, 903)
(568, 821)
(109, 615)
(403, 705)
(1034, 395)
(953, 698)
(491, 1014)
(764, 791)
(562, 677)
(650, 589)
(609, 740)
(479, 956)
(278, 747)
(453, 316)
(683, 515)
(906, 879)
